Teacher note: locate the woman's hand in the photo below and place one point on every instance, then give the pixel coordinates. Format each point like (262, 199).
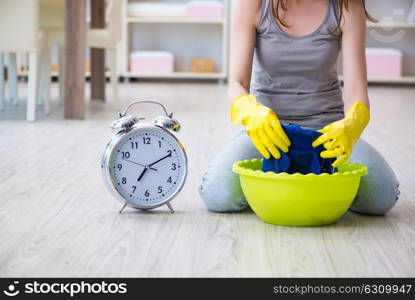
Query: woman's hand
(340, 137)
(262, 124)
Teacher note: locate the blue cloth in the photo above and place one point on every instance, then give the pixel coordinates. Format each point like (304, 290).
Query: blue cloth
(301, 157)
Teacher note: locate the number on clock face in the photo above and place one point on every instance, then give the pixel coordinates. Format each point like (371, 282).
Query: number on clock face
(148, 167)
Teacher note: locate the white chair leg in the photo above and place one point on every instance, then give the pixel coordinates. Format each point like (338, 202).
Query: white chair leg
(32, 86)
(61, 77)
(2, 94)
(45, 79)
(112, 58)
(12, 77)
(26, 63)
(40, 78)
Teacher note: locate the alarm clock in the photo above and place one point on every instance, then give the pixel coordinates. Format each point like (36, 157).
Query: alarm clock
(144, 165)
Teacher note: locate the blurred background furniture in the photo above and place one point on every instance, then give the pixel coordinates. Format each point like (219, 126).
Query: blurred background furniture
(396, 29)
(97, 66)
(107, 38)
(9, 60)
(74, 67)
(194, 33)
(53, 17)
(52, 23)
(20, 32)
(187, 29)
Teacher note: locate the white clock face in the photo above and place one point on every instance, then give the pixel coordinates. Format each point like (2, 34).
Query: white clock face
(148, 167)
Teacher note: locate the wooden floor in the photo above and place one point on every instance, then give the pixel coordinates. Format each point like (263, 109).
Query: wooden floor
(57, 218)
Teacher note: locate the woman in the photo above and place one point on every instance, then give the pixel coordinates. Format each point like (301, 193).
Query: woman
(290, 47)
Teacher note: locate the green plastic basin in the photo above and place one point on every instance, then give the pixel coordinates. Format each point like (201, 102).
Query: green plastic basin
(297, 199)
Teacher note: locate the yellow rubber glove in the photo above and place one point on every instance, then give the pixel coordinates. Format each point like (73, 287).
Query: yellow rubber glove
(262, 124)
(340, 137)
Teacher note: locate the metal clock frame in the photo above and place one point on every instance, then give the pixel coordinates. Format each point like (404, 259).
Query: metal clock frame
(107, 158)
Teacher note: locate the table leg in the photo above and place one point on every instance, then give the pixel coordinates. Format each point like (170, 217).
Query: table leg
(75, 26)
(98, 55)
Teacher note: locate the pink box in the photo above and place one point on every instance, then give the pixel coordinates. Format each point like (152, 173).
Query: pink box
(209, 10)
(152, 62)
(384, 63)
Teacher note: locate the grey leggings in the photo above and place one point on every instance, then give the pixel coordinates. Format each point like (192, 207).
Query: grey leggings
(221, 191)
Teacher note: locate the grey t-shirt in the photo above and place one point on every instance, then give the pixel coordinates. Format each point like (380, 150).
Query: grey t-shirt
(296, 75)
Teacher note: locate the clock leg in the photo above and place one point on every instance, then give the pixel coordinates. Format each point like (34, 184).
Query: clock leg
(170, 207)
(122, 208)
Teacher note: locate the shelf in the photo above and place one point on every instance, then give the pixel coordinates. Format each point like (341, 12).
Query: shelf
(56, 74)
(174, 20)
(182, 45)
(393, 25)
(25, 73)
(403, 79)
(181, 75)
(217, 75)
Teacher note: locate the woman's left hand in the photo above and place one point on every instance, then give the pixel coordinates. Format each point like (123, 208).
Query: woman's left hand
(340, 137)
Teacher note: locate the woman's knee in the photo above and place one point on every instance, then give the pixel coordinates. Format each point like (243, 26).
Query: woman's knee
(220, 198)
(220, 188)
(379, 189)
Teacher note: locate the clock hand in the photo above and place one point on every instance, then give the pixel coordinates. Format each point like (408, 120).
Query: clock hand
(168, 155)
(142, 174)
(149, 166)
(138, 164)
